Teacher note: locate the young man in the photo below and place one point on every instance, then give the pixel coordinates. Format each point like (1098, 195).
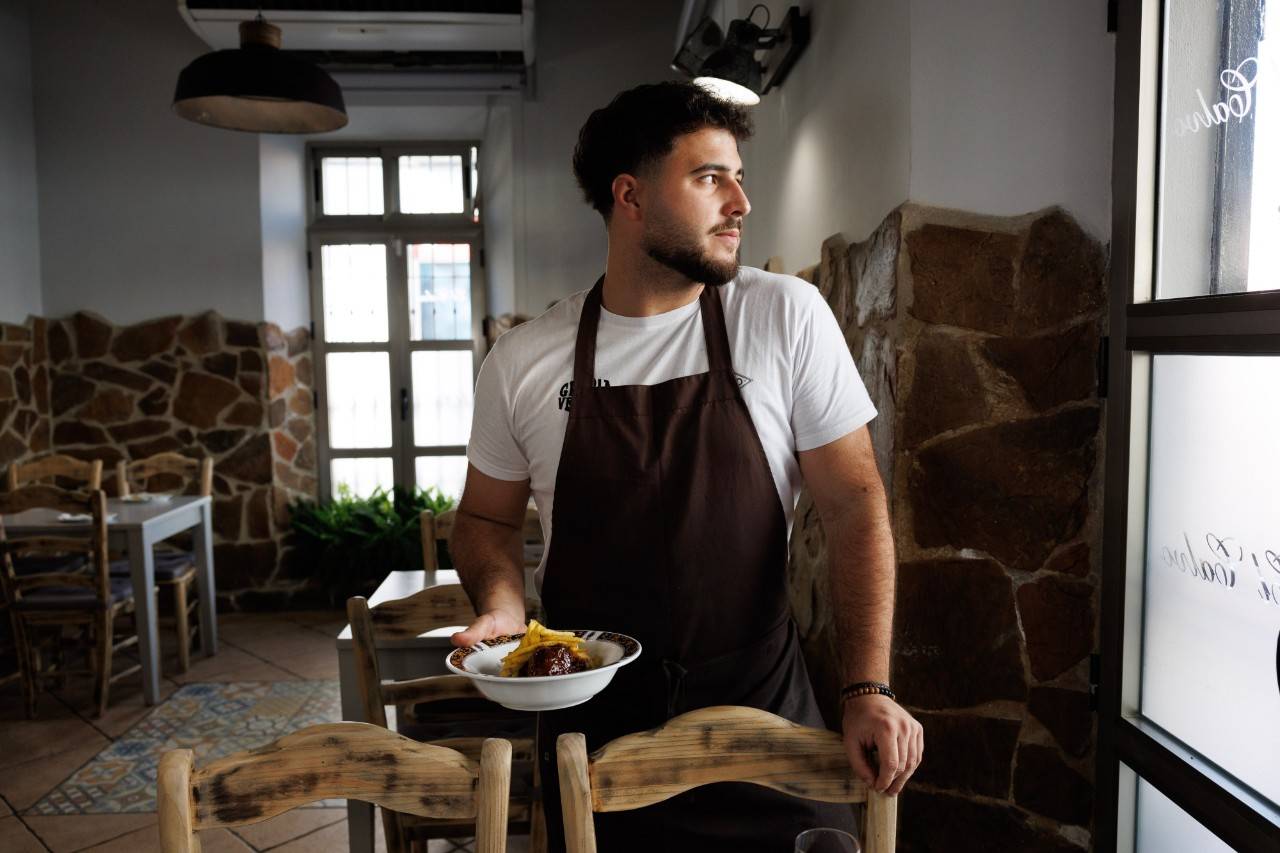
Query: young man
(670, 415)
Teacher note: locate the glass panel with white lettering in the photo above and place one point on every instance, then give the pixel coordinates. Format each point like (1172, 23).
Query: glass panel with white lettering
(1211, 630)
(1219, 181)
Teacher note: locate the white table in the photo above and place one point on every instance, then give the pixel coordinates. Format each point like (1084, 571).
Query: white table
(398, 660)
(136, 528)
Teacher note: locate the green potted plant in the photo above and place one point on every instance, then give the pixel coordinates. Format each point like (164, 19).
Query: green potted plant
(352, 542)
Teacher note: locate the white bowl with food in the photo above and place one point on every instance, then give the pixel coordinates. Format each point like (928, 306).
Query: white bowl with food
(543, 670)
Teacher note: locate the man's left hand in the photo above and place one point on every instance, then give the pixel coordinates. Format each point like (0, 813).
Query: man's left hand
(877, 722)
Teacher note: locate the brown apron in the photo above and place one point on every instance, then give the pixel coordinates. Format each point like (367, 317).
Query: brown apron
(667, 526)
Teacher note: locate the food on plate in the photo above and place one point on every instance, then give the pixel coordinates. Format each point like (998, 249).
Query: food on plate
(546, 652)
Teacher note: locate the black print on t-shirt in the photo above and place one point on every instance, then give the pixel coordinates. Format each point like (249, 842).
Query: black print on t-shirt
(565, 400)
(742, 380)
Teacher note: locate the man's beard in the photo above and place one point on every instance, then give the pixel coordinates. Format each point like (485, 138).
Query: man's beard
(676, 250)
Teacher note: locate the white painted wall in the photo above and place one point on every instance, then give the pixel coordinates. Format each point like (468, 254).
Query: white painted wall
(498, 192)
(587, 54)
(831, 151)
(991, 106)
(1011, 104)
(141, 213)
(282, 170)
(19, 204)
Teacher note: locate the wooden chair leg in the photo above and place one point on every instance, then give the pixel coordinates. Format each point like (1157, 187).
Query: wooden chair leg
(26, 663)
(106, 641)
(392, 833)
(537, 817)
(183, 626)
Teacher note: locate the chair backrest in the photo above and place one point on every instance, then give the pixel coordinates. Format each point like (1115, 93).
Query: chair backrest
(402, 619)
(720, 744)
(355, 761)
(439, 528)
(86, 474)
(92, 545)
(167, 472)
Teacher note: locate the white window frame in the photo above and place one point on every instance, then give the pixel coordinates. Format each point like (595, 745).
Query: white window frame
(395, 230)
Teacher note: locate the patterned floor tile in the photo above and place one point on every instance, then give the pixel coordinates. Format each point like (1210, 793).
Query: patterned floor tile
(211, 719)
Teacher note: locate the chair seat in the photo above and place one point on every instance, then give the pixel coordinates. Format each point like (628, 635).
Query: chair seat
(74, 598)
(32, 565)
(169, 565)
(451, 718)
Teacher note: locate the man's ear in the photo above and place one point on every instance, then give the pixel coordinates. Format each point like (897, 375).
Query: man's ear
(626, 197)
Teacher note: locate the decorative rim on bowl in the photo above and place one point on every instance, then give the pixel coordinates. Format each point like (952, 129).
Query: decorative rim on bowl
(630, 648)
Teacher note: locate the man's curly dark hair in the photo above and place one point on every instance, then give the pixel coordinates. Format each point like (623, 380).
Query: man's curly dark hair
(639, 127)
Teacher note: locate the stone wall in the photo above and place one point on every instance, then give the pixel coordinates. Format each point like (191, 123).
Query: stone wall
(24, 392)
(977, 338)
(238, 392)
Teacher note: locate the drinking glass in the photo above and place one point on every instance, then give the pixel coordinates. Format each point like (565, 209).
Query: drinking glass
(826, 841)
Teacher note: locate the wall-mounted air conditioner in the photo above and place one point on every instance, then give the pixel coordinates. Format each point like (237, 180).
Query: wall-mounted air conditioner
(456, 36)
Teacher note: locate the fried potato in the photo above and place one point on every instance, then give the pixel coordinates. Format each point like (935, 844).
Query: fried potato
(535, 638)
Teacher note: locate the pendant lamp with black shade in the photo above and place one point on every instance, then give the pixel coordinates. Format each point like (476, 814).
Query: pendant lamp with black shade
(258, 88)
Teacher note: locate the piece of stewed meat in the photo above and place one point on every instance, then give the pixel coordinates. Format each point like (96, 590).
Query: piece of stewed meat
(553, 660)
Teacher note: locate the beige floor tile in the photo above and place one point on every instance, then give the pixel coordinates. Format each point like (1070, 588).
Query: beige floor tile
(221, 841)
(315, 617)
(331, 839)
(441, 845)
(143, 840)
(268, 634)
(288, 826)
(281, 650)
(329, 627)
(14, 709)
(294, 648)
(16, 838)
(305, 662)
(125, 707)
(232, 664)
(24, 784)
(147, 840)
(256, 627)
(22, 741)
(66, 833)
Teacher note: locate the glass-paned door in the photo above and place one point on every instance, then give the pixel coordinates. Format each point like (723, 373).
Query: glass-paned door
(1189, 729)
(399, 363)
(356, 374)
(397, 301)
(442, 361)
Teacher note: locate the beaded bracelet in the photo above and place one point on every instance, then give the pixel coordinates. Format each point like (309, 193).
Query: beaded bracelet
(866, 688)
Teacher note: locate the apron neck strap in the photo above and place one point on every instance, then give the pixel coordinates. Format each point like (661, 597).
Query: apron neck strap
(584, 356)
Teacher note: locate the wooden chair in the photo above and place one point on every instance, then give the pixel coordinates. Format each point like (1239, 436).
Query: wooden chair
(439, 528)
(85, 474)
(91, 600)
(56, 469)
(720, 744)
(60, 470)
(174, 568)
(443, 709)
(354, 761)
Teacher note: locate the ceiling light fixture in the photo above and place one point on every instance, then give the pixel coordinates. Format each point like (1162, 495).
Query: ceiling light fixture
(259, 88)
(727, 66)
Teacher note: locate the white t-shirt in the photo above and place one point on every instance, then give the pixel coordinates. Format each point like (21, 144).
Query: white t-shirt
(794, 369)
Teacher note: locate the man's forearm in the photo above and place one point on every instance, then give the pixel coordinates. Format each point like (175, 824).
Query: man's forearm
(861, 570)
(488, 556)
